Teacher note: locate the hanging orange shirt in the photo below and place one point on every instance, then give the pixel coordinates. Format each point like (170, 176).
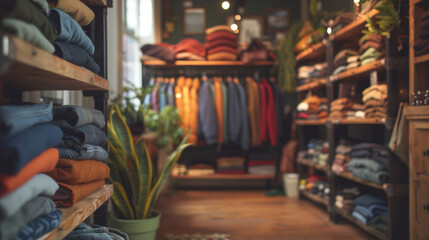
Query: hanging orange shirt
(186, 104)
(251, 111)
(193, 119)
(219, 107)
(179, 95)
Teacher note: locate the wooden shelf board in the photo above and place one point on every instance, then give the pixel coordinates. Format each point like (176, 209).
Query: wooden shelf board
(421, 59)
(348, 175)
(305, 162)
(224, 176)
(364, 227)
(184, 63)
(359, 121)
(359, 72)
(313, 197)
(318, 50)
(315, 84)
(73, 216)
(354, 29)
(416, 111)
(29, 68)
(311, 122)
(105, 3)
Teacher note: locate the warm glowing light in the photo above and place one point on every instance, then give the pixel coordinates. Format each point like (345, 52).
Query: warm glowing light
(237, 17)
(357, 2)
(329, 30)
(225, 5)
(234, 27)
(178, 95)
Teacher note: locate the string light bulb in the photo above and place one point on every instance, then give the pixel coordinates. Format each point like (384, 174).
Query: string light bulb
(225, 5)
(234, 27)
(237, 17)
(329, 30)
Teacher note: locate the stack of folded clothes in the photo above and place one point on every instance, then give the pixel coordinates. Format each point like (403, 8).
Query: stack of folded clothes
(344, 200)
(26, 153)
(313, 107)
(230, 165)
(256, 51)
(189, 49)
(163, 51)
(200, 169)
(316, 185)
(306, 74)
(340, 60)
(372, 48)
(82, 167)
(369, 162)
(375, 101)
(221, 43)
(261, 163)
(353, 62)
(318, 151)
(371, 211)
(71, 43)
(340, 107)
(342, 156)
(421, 45)
(88, 232)
(341, 21)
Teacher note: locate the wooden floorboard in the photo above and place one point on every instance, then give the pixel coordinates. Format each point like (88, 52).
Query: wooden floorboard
(248, 215)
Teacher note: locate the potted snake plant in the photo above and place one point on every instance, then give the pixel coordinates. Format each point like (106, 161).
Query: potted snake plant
(136, 185)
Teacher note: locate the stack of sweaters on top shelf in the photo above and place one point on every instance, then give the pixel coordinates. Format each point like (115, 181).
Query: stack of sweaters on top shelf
(372, 48)
(421, 45)
(189, 49)
(345, 108)
(57, 30)
(313, 108)
(375, 101)
(26, 153)
(221, 43)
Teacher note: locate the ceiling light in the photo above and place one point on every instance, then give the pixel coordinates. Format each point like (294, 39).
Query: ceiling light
(329, 30)
(237, 17)
(234, 27)
(225, 5)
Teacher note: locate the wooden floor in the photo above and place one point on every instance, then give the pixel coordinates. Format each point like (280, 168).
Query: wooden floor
(248, 215)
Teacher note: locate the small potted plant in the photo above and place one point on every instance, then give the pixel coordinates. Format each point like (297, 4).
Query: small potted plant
(136, 185)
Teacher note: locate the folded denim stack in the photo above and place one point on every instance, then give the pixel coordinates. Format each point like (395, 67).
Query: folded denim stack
(261, 163)
(342, 156)
(27, 20)
(372, 48)
(161, 51)
(26, 152)
(82, 167)
(230, 165)
(307, 74)
(344, 200)
(71, 43)
(313, 107)
(421, 45)
(95, 232)
(369, 211)
(340, 60)
(189, 49)
(375, 101)
(221, 43)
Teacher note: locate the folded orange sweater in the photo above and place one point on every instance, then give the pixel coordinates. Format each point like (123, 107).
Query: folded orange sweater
(75, 172)
(76, 192)
(43, 163)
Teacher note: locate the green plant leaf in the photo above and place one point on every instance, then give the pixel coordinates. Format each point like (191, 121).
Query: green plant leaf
(121, 201)
(146, 171)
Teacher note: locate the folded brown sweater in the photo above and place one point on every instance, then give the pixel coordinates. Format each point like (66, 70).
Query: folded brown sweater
(79, 171)
(68, 195)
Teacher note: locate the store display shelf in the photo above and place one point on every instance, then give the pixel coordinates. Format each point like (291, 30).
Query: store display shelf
(317, 51)
(104, 3)
(314, 198)
(362, 121)
(224, 176)
(306, 162)
(311, 122)
(359, 72)
(364, 227)
(313, 85)
(184, 63)
(73, 216)
(354, 29)
(348, 175)
(417, 112)
(421, 59)
(28, 68)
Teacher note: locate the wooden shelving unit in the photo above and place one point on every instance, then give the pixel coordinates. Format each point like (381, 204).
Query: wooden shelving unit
(421, 59)
(224, 176)
(189, 63)
(314, 198)
(305, 162)
(315, 51)
(363, 121)
(314, 84)
(360, 72)
(364, 227)
(348, 175)
(76, 214)
(311, 122)
(30, 68)
(354, 29)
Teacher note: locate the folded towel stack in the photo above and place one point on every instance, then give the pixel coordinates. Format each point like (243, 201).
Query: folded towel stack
(375, 101)
(221, 43)
(26, 152)
(421, 45)
(82, 167)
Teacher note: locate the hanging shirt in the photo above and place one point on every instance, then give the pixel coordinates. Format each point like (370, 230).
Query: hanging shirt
(155, 96)
(271, 114)
(225, 112)
(162, 96)
(193, 118)
(170, 93)
(279, 109)
(263, 97)
(256, 93)
(147, 98)
(244, 130)
(234, 114)
(179, 95)
(186, 104)
(219, 108)
(251, 110)
(207, 114)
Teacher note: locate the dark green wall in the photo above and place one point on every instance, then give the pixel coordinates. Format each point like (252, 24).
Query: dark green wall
(215, 15)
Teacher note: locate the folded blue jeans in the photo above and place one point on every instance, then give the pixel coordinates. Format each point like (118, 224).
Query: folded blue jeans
(86, 152)
(87, 134)
(95, 232)
(70, 31)
(69, 116)
(40, 226)
(16, 151)
(16, 118)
